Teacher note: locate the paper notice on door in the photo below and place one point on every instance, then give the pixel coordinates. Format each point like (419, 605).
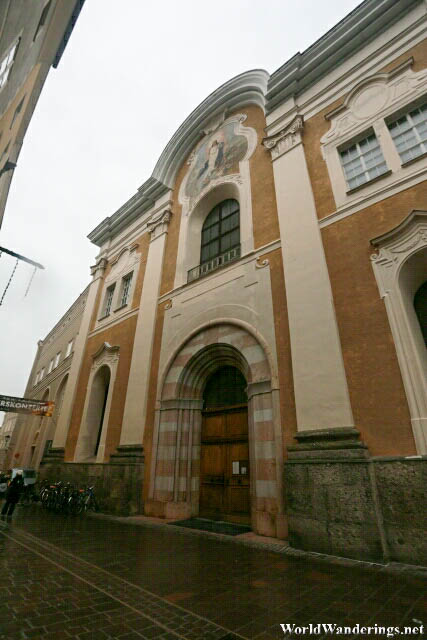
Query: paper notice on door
(236, 468)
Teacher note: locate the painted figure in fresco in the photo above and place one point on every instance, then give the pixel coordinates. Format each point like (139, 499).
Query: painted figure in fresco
(218, 156)
(214, 160)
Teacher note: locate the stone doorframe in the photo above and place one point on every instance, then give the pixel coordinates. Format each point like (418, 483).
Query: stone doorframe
(175, 472)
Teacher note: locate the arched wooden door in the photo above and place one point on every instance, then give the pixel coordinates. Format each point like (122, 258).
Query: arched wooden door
(224, 458)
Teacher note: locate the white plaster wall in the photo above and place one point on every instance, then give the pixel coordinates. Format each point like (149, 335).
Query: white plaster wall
(240, 292)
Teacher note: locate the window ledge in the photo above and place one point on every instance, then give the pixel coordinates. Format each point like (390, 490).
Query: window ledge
(409, 162)
(103, 317)
(123, 306)
(365, 184)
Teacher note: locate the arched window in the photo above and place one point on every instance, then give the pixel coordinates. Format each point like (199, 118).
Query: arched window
(420, 306)
(220, 231)
(224, 388)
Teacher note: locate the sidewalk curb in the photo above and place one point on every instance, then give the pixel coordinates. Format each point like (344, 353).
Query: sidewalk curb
(278, 546)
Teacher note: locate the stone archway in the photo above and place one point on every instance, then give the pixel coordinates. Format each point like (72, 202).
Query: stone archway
(175, 471)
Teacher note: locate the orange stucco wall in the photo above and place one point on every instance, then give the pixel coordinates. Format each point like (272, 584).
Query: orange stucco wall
(375, 384)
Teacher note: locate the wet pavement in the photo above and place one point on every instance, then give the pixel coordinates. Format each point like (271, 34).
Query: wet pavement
(94, 578)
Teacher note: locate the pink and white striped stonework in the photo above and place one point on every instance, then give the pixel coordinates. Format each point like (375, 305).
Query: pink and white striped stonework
(174, 490)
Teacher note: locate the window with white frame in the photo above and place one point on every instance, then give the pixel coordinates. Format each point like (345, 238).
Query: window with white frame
(50, 366)
(362, 161)
(125, 291)
(6, 63)
(409, 133)
(69, 348)
(57, 357)
(108, 300)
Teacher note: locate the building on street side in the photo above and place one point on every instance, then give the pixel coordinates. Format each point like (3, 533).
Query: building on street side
(33, 36)
(253, 343)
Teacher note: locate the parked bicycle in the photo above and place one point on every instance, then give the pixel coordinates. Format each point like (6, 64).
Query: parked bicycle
(66, 499)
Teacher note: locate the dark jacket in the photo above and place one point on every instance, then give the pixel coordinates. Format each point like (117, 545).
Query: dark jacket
(15, 489)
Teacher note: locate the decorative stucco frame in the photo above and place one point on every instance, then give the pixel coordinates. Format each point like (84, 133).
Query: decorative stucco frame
(125, 262)
(105, 356)
(367, 108)
(405, 247)
(194, 212)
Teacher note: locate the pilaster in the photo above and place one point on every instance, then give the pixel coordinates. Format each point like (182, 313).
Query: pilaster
(320, 385)
(137, 391)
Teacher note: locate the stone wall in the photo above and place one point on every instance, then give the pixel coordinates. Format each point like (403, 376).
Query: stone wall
(402, 490)
(370, 509)
(118, 486)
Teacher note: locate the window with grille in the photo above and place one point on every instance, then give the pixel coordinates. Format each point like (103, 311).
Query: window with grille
(221, 230)
(363, 161)
(6, 64)
(108, 300)
(224, 388)
(409, 133)
(126, 282)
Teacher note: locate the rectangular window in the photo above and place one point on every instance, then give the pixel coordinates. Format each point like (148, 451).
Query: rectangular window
(58, 355)
(42, 20)
(50, 366)
(69, 348)
(362, 161)
(36, 379)
(42, 374)
(409, 133)
(108, 300)
(6, 64)
(17, 112)
(126, 282)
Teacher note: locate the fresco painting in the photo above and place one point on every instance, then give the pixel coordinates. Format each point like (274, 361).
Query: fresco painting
(217, 156)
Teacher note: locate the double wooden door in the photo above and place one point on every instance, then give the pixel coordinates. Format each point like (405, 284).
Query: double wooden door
(224, 465)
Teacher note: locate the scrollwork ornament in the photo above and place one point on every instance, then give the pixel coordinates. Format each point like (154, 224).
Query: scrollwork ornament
(260, 264)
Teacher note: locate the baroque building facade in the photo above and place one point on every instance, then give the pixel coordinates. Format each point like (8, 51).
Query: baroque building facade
(252, 347)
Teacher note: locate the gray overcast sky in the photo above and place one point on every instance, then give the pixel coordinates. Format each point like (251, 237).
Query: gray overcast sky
(127, 80)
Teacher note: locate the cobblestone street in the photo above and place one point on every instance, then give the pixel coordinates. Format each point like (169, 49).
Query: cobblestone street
(93, 578)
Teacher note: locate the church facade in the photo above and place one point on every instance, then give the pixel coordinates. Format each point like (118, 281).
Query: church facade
(253, 341)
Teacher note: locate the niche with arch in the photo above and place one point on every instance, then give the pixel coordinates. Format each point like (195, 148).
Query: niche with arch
(93, 432)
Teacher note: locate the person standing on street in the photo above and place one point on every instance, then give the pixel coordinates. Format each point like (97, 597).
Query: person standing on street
(12, 495)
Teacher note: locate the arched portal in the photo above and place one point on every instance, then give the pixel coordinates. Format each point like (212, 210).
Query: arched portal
(180, 479)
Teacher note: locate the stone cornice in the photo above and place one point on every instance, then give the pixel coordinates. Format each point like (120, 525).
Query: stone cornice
(247, 88)
(350, 35)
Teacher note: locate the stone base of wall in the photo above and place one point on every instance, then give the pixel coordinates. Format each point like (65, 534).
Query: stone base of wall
(118, 486)
(342, 502)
